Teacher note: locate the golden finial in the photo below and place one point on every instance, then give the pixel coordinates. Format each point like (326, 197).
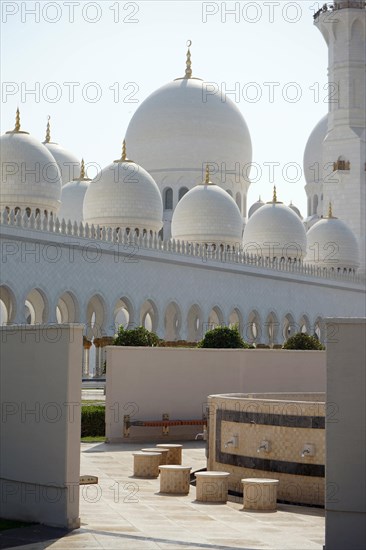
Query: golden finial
(207, 180)
(207, 177)
(48, 130)
(188, 72)
(82, 176)
(188, 61)
(124, 154)
(17, 129)
(17, 121)
(274, 197)
(330, 211)
(274, 194)
(82, 169)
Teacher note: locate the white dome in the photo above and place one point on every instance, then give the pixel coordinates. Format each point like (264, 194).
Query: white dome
(180, 127)
(68, 163)
(124, 195)
(332, 244)
(207, 214)
(255, 207)
(295, 209)
(313, 155)
(275, 231)
(72, 198)
(30, 177)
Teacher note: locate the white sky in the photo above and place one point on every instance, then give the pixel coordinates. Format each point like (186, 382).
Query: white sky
(270, 42)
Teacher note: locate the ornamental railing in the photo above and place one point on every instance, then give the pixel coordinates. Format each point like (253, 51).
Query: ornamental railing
(130, 243)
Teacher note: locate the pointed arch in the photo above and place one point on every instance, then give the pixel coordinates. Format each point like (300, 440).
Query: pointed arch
(172, 322)
(36, 307)
(253, 329)
(123, 313)
(236, 318)
(168, 198)
(289, 327)
(215, 318)
(95, 317)
(304, 324)
(272, 328)
(194, 323)
(7, 305)
(149, 317)
(319, 329)
(67, 309)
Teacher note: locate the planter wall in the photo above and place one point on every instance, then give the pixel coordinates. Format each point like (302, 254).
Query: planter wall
(146, 383)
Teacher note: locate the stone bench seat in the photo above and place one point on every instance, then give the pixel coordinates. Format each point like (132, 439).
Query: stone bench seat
(146, 464)
(175, 479)
(175, 452)
(163, 452)
(260, 494)
(212, 486)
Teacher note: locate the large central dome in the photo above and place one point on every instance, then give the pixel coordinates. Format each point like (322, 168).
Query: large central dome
(182, 126)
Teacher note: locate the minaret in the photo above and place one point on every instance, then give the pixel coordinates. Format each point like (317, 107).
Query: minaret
(343, 26)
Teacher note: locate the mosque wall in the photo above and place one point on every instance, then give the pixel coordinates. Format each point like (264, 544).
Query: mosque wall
(67, 278)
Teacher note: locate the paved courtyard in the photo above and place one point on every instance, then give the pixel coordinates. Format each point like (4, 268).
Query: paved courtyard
(123, 512)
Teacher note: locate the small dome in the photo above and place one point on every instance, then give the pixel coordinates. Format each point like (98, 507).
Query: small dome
(207, 214)
(295, 209)
(67, 162)
(275, 231)
(332, 244)
(124, 195)
(255, 207)
(30, 178)
(313, 155)
(72, 197)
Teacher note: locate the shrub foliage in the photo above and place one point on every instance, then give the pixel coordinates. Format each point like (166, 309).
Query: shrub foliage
(223, 337)
(92, 420)
(138, 336)
(301, 340)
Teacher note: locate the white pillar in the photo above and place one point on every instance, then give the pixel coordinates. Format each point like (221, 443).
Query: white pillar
(345, 429)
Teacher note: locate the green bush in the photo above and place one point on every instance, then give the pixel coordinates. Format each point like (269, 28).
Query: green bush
(138, 336)
(92, 420)
(301, 340)
(223, 337)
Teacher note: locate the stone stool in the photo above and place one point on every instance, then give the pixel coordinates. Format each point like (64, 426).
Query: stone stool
(212, 486)
(175, 452)
(260, 494)
(174, 479)
(146, 464)
(161, 451)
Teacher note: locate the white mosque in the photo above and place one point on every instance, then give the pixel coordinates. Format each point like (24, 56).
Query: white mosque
(161, 236)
